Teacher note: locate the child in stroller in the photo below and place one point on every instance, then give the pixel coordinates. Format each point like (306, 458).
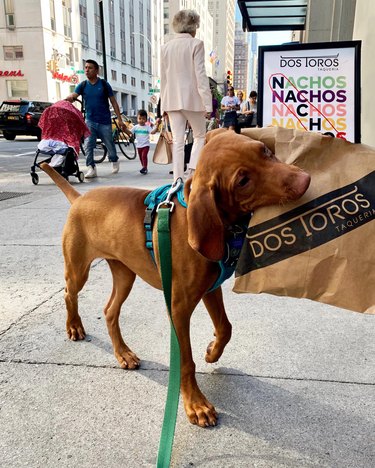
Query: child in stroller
(63, 128)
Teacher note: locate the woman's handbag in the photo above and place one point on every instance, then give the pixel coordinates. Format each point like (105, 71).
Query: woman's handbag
(245, 120)
(163, 149)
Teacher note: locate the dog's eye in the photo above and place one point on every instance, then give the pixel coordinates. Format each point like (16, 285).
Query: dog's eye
(243, 181)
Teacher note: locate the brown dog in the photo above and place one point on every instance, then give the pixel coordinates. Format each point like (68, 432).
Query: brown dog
(235, 175)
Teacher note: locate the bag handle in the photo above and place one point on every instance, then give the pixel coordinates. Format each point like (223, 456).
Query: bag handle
(167, 134)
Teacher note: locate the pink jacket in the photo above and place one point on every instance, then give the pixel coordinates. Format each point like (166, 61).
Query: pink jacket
(183, 82)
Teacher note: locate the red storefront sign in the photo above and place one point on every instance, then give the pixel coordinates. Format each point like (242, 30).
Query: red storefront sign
(11, 73)
(62, 77)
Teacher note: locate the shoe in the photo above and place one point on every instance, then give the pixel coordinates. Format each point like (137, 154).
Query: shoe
(143, 170)
(189, 173)
(115, 167)
(91, 173)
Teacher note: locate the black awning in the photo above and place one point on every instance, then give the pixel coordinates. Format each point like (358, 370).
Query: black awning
(273, 15)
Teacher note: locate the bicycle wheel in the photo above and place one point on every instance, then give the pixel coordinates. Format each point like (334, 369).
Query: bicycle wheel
(127, 146)
(100, 151)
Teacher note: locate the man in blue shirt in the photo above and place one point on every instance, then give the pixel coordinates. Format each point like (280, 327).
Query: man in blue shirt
(95, 93)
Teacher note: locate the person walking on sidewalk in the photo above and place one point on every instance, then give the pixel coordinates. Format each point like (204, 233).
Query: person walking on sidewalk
(184, 86)
(142, 133)
(95, 93)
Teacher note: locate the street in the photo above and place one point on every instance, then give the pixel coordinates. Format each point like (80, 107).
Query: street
(295, 387)
(17, 156)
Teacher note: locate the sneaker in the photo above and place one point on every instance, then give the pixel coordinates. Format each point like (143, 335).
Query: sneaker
(189, 173)
(143, 170)
(91, 173)
(115, 167)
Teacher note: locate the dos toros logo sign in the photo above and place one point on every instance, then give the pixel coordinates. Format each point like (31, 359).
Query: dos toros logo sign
(312, 87)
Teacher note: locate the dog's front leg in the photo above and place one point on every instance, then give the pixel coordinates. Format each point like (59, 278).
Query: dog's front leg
(198, 409)
(223, 328)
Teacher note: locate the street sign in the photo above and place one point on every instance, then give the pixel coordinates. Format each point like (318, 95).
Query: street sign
(154, 100)
(154, 90)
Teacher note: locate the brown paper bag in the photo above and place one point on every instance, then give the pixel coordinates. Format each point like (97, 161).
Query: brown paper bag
(163, 149)
(321, 247)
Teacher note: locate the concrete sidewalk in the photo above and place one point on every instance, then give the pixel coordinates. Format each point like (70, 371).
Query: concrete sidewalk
(294, 388)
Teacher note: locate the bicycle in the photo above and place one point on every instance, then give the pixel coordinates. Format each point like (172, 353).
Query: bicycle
(122, 140)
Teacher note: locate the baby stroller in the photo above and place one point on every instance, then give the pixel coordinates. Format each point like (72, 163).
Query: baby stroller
(63, 128)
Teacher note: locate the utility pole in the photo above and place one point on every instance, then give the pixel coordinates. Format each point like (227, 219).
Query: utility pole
(103, 38)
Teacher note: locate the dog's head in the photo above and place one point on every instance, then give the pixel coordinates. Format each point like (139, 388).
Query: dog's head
(234, 176)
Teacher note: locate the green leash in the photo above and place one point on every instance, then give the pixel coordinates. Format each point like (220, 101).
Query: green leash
(171, 405)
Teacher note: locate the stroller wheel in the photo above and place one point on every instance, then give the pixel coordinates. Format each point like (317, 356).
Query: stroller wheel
(34, 178)
(81, 176)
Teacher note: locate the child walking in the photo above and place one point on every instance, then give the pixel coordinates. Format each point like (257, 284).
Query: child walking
(142, 133)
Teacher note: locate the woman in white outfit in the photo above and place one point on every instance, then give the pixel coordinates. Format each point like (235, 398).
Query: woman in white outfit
(185, 90)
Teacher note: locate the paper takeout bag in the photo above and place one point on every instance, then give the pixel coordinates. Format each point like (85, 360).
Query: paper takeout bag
(321, 247)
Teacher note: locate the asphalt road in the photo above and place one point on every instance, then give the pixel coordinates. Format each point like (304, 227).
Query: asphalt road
(18, 155)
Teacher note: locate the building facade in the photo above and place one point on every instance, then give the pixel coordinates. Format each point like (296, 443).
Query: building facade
(223, 37)
(46, 42)
(241, 59)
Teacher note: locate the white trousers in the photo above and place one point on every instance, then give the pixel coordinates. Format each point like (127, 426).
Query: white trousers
(177, 120)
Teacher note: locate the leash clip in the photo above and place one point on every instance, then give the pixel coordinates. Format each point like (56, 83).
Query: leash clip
(174, 188)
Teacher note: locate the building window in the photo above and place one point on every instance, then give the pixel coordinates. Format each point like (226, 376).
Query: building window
(112, 36)
(17, 88)
(114, 75)
(83, 22)
(142, 84)
(124, 78)
(131, 30)
(9, 14)
(132, 81)
(98, 30)
(13, 52)
(67, 16)
(52, 14)
(122, 32)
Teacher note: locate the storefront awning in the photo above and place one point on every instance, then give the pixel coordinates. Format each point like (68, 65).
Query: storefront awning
(273, 15)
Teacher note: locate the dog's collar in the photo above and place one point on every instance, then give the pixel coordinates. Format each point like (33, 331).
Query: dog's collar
(234, 234)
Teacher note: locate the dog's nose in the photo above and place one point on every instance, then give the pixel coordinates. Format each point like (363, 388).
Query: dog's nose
(302, 183)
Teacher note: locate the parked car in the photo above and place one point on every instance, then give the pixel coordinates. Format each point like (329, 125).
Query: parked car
(21, 117)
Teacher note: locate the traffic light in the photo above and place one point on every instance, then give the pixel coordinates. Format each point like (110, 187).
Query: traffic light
(52, 66)
(229, 78)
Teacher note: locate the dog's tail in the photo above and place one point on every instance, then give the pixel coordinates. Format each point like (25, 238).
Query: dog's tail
(70, 192)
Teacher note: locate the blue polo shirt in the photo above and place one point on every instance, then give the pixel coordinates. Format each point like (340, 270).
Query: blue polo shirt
(96, 100)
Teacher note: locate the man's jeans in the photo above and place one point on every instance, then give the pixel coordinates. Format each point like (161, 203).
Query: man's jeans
(104, 132)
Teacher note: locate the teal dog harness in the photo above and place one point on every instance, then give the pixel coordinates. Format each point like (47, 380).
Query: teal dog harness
(234, 242)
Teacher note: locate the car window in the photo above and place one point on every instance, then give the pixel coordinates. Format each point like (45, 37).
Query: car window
(10, 107)
(39, 106)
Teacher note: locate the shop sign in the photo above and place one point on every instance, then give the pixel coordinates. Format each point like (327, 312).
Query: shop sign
(311, 87)
(11, 73)
(66, 78)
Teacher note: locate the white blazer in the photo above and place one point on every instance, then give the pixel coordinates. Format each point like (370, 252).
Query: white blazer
(183, 81)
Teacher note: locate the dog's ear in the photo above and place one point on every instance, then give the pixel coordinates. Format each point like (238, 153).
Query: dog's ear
(205, 228)
(212, 133)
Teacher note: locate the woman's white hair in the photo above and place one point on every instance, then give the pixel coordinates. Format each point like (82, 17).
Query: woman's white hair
(186, 21)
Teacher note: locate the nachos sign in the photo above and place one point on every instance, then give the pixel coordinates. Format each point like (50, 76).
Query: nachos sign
(312, 87)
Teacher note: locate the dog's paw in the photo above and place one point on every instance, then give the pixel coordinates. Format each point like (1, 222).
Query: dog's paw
(201, 413)
(75, 331)
(213, 352)
(127, 359)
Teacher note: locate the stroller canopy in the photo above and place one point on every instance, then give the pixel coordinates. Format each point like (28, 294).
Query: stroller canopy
(63, 122)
